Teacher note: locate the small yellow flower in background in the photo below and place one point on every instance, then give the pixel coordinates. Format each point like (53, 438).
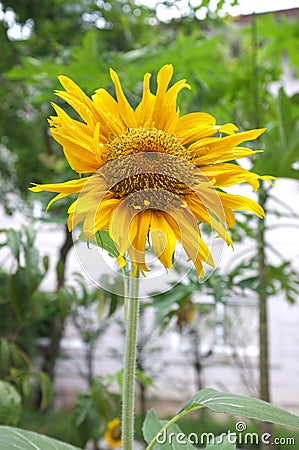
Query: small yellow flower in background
(113, 433)
(149, 171)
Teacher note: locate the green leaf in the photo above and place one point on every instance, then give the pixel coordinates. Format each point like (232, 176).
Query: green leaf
(4, 354)
(225, 445)
(15, 438)
(86, 420)
(45, 262)
(172, 439)
(18, 291)
(16, 354)
(10, 404)
(46, 389)
(14, 241)
(251, 408)
(101, 399)
(27, 385)
(33, 274)
(64, 299)
(106, 243)
(158, 433)
(30, 236)
(82, 409)
(143, 378)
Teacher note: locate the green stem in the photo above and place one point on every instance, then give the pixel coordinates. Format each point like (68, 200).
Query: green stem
(128, 397)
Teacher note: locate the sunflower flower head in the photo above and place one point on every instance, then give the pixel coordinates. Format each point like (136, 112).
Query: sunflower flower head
(113, 433)
(149, 174)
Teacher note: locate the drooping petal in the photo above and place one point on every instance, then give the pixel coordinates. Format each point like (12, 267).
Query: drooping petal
(238, 202)
(119, 227)
(139, 229)
(201, 211)
(104, 213)
(187, 232)
(163, 239)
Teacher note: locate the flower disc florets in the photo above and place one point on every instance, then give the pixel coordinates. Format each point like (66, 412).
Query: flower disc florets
(152, 170)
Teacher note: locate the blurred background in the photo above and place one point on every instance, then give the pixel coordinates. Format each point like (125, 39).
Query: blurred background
(62, 337)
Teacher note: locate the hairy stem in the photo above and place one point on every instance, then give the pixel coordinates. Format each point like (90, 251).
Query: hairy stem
(128, 394)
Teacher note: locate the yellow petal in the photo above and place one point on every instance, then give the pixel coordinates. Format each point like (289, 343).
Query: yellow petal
(119, 227)
(104, 213)
(216, 150)
(163, 79)
(172, 112)
(139, 229)
(57, 197)
(195, 126)
(108, 110)
(68, 187)
(163, 239)
(75, 97)
(186, 230)
(125, 109)
(239, 202)
(77, 141)
(144, 110)
(73, 220)
(208, 213)
(231, 174)
(228, 128)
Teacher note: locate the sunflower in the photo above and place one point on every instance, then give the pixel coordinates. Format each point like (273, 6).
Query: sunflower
(113, 433)
(149, 174)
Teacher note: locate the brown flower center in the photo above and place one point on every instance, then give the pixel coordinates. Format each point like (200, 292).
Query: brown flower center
(137, 140)
(146, 161)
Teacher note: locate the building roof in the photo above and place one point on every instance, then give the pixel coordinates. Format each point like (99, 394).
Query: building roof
(292, 13)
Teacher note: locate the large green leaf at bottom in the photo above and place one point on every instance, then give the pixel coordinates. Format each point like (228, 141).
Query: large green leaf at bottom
(15, 438)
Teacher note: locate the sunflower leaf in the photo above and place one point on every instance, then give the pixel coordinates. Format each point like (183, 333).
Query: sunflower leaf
(106, 243)
(251, 408)
(12, 438)
(172, 439)
(223, 445)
